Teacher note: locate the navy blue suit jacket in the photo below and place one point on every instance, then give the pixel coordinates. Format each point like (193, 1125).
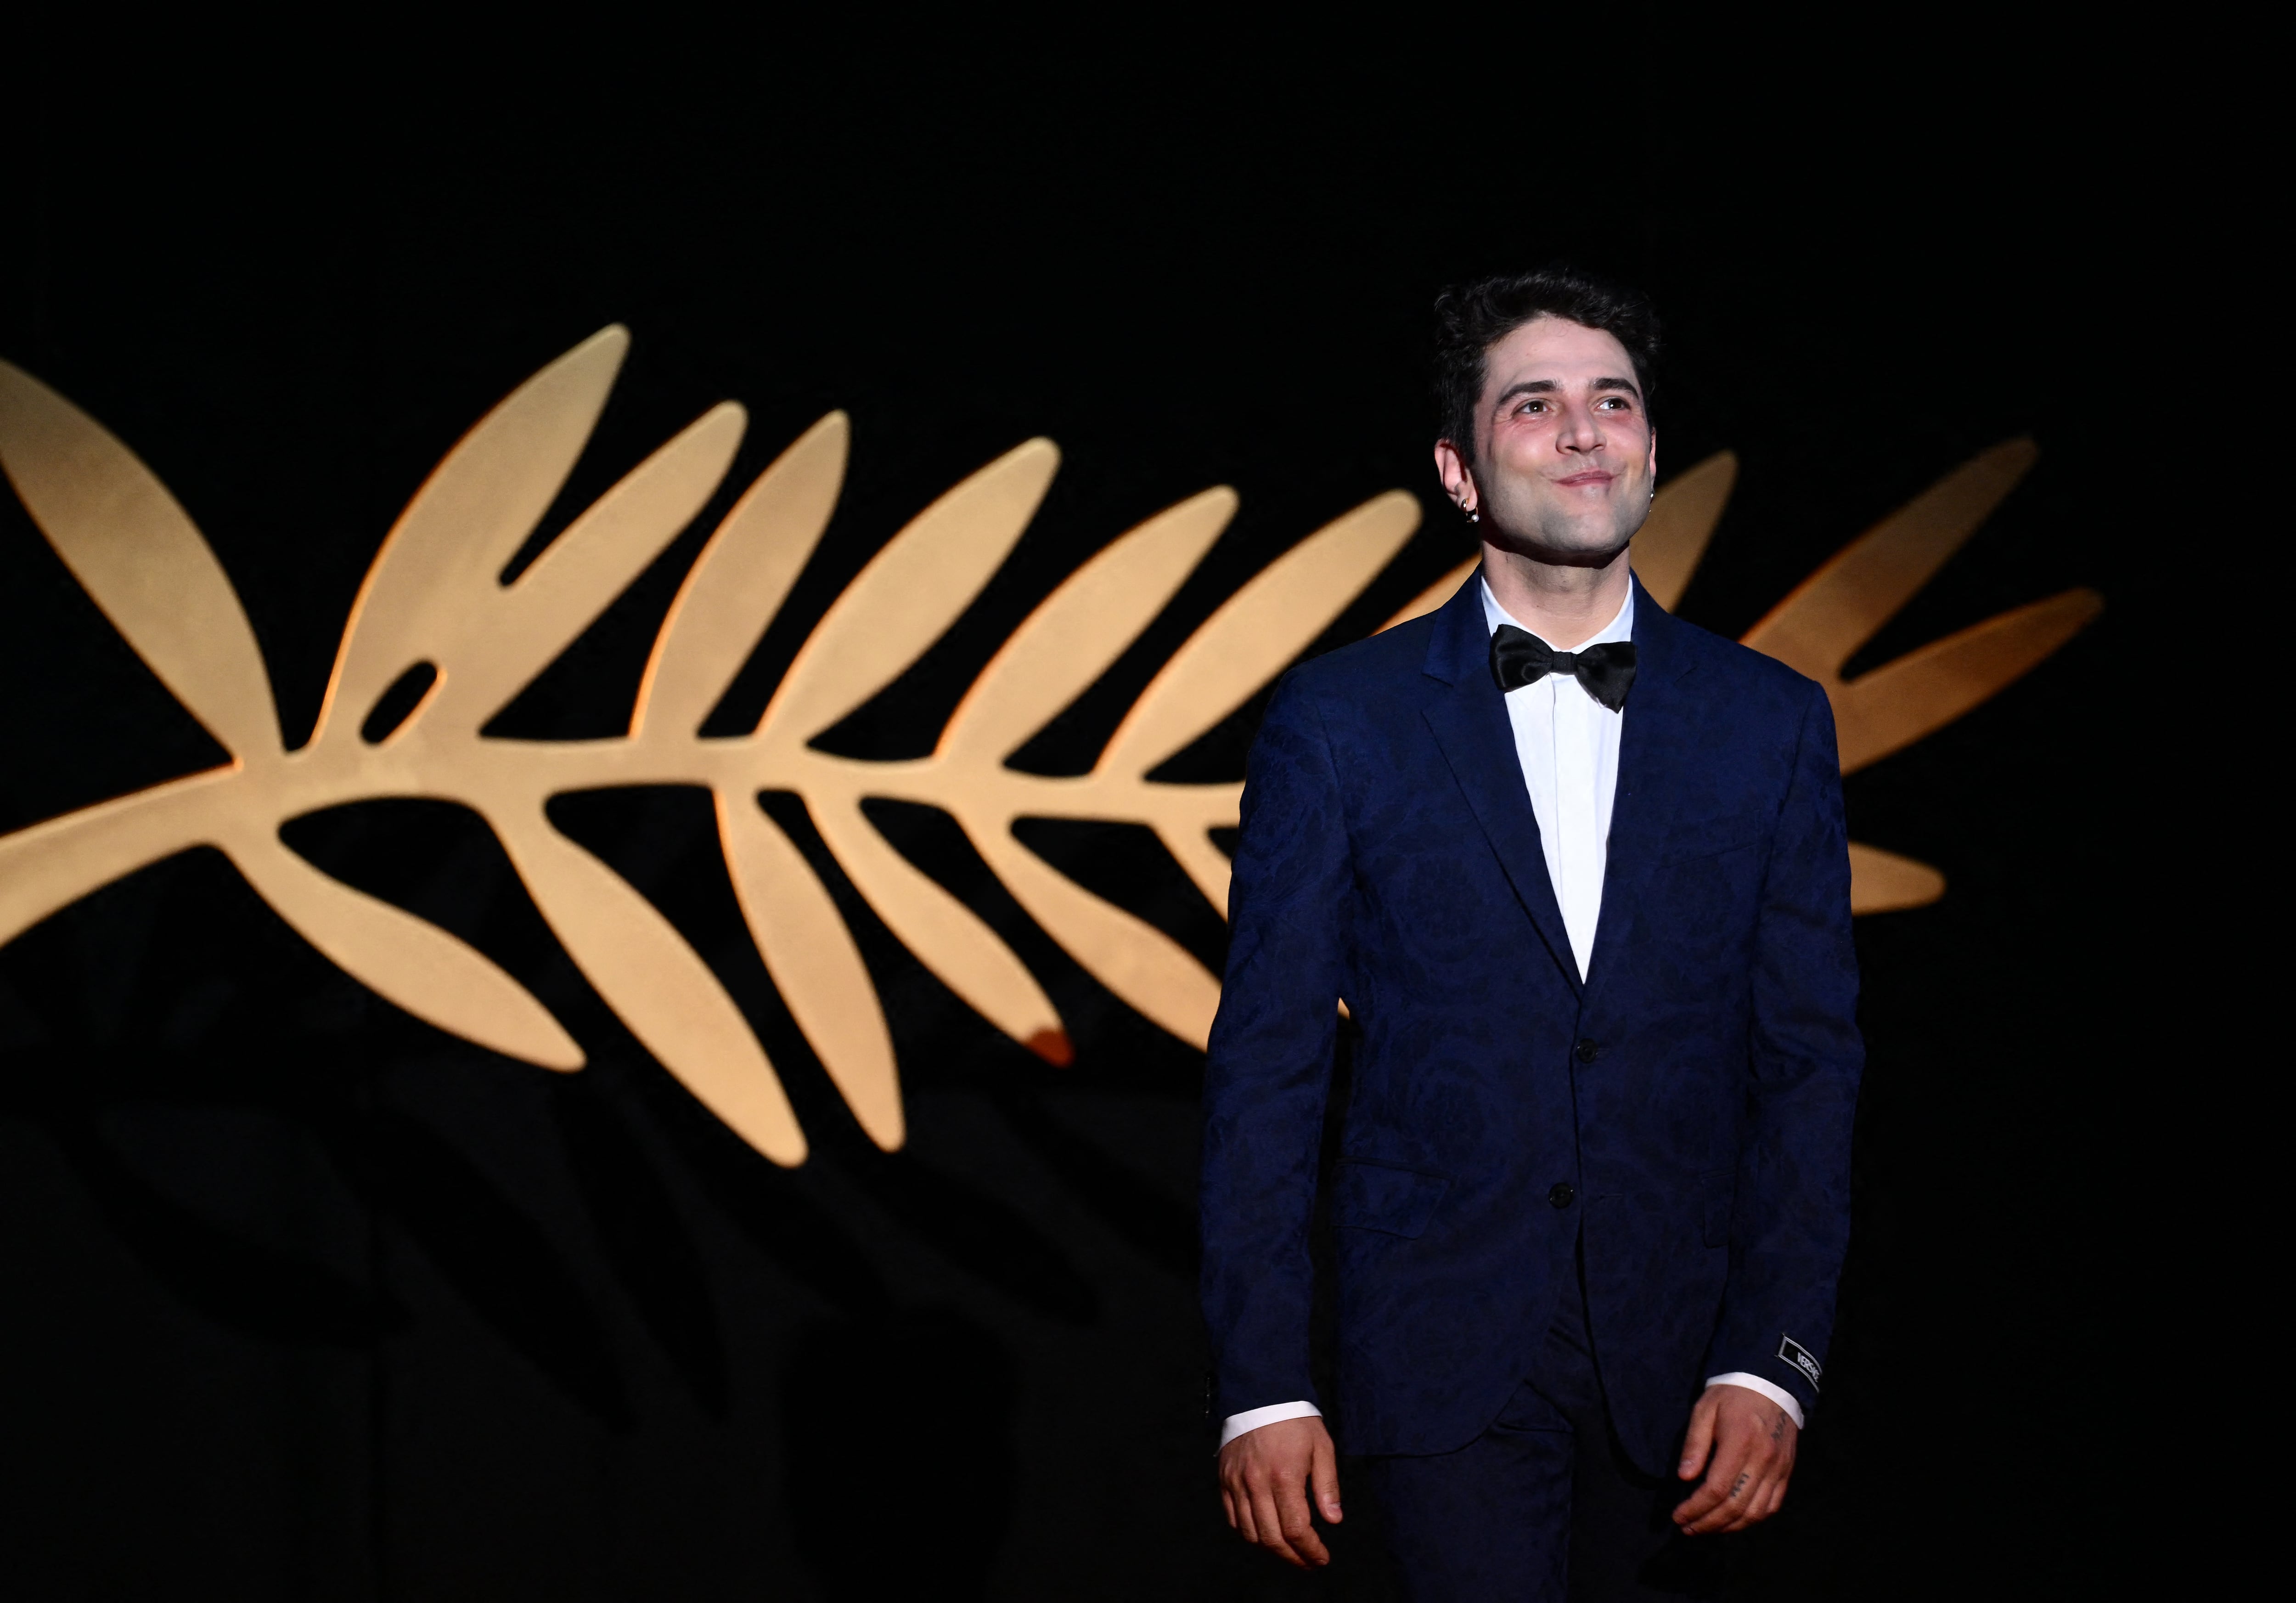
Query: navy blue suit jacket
(1695, 1094)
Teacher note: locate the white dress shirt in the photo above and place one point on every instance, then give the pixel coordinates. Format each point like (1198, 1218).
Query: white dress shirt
(1568, 744)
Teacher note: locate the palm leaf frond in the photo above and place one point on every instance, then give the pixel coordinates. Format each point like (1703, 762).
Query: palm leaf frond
(947, 937)
(1882, 882)
(1683, 515)
(911, 592)
(1919, 693)
(138, 555)
(635, 960)
(738, 583)
(1153, 974)
(1259, 630)
(1825, 619)
(516, 630)
(815, 965)
(440, 564)
(405, 959)
(1082, 626)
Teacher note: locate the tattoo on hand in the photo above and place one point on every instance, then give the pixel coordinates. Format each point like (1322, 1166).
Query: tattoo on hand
(1738, 1486)
(1778, 1430)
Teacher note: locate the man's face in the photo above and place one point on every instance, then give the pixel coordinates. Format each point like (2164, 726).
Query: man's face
(1565, 456)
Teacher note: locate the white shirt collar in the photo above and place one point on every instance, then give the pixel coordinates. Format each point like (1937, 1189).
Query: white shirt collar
(1620, 627)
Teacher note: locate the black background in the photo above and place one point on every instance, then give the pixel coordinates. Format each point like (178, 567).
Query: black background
(306, 1300)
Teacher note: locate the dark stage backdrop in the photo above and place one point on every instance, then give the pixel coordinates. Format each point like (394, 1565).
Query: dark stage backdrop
(305, 1299)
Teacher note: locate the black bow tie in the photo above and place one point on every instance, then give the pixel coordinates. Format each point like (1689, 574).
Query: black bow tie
(1520, 658)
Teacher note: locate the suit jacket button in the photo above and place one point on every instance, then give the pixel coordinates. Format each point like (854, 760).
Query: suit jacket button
(1560, 1195)
(1588, 1051)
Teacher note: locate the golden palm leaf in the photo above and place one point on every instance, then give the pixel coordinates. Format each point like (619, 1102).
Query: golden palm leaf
(432, 599)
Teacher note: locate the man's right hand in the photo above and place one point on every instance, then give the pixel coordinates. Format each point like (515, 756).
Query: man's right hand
(1265, 1477)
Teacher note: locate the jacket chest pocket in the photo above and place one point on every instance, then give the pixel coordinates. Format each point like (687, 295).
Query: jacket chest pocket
(1376, 1196)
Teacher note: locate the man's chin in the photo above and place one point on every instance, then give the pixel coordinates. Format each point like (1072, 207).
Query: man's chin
(1570, 551)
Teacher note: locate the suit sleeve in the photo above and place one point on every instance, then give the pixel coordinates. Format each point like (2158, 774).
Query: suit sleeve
(1269, 1066)
(1791, 1223)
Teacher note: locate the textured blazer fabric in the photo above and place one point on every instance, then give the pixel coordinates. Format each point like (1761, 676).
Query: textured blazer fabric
(1694, 1095)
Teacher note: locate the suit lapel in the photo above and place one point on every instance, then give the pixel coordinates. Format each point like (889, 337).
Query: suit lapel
(1659, 732)
(1469, 719)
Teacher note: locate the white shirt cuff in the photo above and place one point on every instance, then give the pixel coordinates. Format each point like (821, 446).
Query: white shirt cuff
(1755, 1382)
(1252, 1419)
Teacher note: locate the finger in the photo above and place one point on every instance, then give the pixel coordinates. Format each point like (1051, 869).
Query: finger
(1729, 1516)
(1245, 1522)
(1300, 1526)
(1726, 1515)
(1762, 1503)
(1270, 1520)
(1759, 1500)
(1324, 1475)
(1700, 1440)
(1228, 1506)
(1695, 1515)
(1769, 1492)
(1259, 1517)
(1721, 1497)
(1700, 1503)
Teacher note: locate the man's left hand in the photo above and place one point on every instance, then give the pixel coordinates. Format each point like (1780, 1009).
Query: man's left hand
(1745, 1444)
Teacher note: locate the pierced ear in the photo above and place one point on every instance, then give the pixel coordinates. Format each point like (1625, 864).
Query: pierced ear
(1451, 468)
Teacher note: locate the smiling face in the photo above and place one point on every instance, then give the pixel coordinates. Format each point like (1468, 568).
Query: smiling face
(1565, 458)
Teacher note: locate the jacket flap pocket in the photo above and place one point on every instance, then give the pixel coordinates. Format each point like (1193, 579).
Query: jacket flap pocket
(1710, 837)
(1375, 1196)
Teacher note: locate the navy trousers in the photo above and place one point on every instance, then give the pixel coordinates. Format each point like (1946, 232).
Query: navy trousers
(1543, 1507)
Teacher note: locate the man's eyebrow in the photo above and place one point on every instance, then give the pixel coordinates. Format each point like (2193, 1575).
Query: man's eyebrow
(1529, 387)
(1549, 387)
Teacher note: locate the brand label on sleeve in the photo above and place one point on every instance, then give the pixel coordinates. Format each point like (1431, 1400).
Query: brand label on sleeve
(1799, 1357)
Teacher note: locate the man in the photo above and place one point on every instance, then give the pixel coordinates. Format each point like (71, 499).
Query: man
(1578, 873)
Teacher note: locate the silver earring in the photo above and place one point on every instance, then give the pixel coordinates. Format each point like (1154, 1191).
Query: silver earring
(1474, 515)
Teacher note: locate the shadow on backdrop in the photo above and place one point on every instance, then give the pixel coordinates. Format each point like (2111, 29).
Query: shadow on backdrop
(899, 1455)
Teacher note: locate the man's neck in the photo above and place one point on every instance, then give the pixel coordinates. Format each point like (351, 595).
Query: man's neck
(1564, 605)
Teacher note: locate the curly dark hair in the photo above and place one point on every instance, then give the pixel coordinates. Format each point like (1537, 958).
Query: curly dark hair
(1470, 318)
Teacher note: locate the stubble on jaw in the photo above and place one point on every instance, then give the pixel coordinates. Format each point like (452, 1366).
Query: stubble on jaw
(1540, 548)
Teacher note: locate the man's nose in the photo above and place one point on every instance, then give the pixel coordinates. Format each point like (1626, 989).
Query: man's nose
(1581, 430)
